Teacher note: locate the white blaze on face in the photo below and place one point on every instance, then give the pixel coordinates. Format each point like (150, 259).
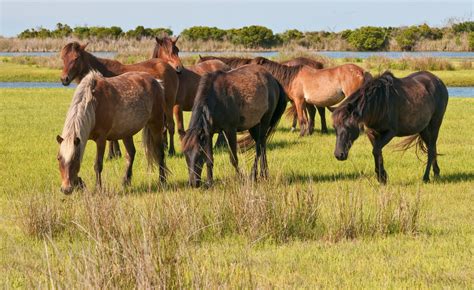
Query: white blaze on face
(66, 149)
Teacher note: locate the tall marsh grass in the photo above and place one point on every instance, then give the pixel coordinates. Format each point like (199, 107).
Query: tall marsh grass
(124, 244)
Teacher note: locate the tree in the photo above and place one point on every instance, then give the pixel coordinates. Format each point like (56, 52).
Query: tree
(368, 38)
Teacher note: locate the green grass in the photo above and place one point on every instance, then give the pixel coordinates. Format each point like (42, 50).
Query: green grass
(14, 72)
(317, 222)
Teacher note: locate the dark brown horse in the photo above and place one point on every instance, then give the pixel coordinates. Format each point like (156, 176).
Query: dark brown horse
(233, 62)
(188, 79)
(111, 109)
(78, 63)
(292, 112)
(319, 87)
(246, 98)
(389, 107)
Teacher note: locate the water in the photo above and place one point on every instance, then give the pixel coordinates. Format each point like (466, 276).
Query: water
(464, 92)
(331, 54)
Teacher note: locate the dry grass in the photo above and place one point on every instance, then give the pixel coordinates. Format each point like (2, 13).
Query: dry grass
(124, 244)
(381, 63)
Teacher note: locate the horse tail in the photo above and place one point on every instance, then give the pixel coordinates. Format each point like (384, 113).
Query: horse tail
(413, 141)
(247, 142)
(291, 111)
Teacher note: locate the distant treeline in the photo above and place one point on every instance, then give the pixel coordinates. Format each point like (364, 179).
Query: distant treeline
(367, 38)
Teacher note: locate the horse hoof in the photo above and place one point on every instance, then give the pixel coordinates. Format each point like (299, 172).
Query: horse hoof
(292, 129)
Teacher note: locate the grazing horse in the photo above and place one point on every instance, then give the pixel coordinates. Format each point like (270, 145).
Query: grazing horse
(188, 79)
(78, 63)
(388, 106)
(319, 87)
(246, 98)
(111, 109)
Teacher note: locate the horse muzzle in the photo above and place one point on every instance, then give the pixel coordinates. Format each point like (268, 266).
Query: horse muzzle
(66, 81)
(341, 156)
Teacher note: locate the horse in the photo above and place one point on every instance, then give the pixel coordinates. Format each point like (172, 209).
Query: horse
(234, 62)
(77, 63)
(388, 106)
(111, 109)
(319, 87)
(188, 79)
(246, 98)
(310, 109)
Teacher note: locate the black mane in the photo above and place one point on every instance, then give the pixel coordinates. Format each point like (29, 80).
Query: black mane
(284, 74)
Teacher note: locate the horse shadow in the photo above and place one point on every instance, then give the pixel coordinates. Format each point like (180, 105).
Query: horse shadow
(455, 177)
(318, 177)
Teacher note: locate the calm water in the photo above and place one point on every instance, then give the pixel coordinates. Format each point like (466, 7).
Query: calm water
(465, 92)
(331, 54)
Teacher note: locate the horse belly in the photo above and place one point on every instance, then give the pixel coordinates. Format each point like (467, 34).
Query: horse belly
(323, 97)
(251, 112)
(129, 119)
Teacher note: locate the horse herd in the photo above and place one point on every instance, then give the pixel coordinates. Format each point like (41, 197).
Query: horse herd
(114, 101)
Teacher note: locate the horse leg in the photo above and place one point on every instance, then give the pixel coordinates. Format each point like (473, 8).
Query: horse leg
(160, 148)
(221, 141)
(428, 140)
(322, 114)
(255, 132)
(302, 118)
(312, 114)
(232, 139)
(99, 161)
(378, 142)
(130, 147)
(114, 150)
(295, 119)
(209, 162)
(171, 150)
(178, 115)
(263, 159)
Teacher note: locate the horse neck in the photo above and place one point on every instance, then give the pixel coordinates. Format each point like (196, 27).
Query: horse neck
(107, 67)
(80, 119)
(284, 74)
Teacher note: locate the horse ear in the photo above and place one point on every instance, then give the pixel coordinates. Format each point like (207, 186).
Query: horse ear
(59, 139)
(158, 40)
(82, 47)
(200, 57)
(175, 39)
(77, 141)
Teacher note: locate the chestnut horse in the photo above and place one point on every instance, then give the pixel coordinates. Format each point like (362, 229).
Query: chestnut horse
(237, 61)
(111, 109)
(78, 63)
(388, 106)
(188, 79)
(246, 98)
(319, 87)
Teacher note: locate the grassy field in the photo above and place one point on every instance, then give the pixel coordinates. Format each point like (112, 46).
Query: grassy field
(46, 71)
(316, 222)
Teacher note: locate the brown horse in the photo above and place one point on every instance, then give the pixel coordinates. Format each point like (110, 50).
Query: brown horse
(310, 109)
(188, 79)
(246, 98)
(233, 62)
(322, 87)
(111, 109)
(388, 106)
(78, 63)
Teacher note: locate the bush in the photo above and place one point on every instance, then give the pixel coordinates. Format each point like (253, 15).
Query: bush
(407, 38)
(291, 35)
(467, 26)
(203, 33)
(470, 39)
(254, 36)
(368, 38)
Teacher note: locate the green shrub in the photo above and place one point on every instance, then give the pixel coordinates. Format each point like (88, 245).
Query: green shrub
(203, 33)
(291, 35)
(254, 36)
(407, 38)
(368, 38)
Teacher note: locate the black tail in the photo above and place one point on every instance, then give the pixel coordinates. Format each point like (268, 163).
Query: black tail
(413, 141)
(247, 142)
(291, 111)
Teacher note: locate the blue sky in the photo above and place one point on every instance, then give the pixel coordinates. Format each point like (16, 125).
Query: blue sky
(15, 16)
